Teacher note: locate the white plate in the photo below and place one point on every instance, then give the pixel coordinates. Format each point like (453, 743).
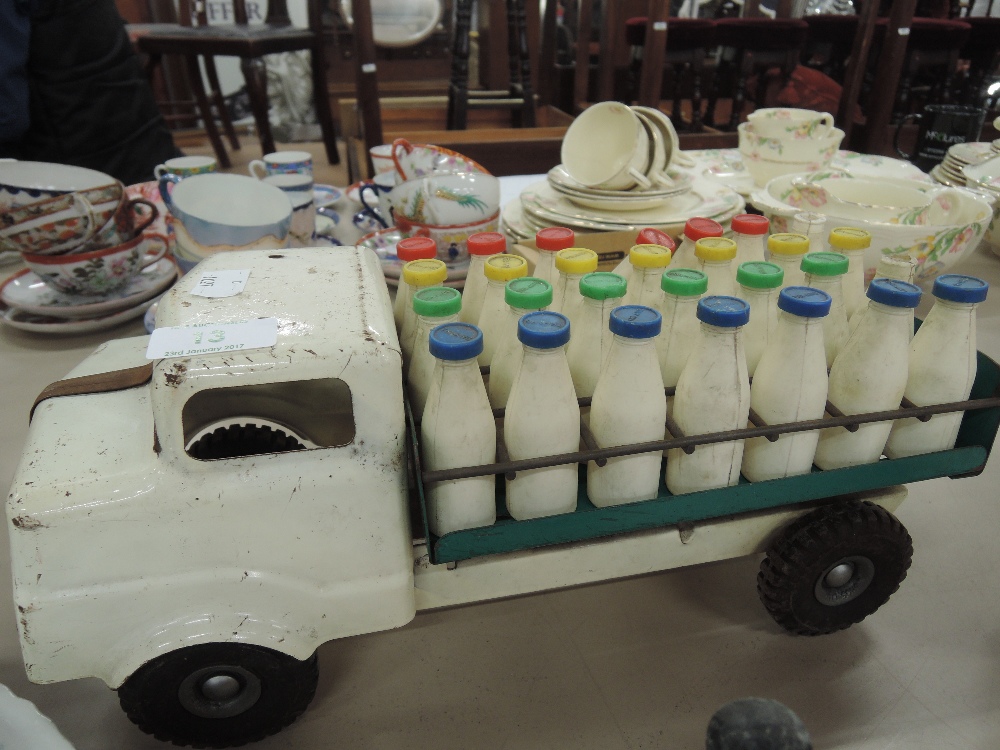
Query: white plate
(970, 153)
(559, 178)
(27, 292)
(26, 321)
(705, 198)
(384, 242)
(326, 195)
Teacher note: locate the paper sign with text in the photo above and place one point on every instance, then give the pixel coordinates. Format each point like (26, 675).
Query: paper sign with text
(211, 338)
(221, 283)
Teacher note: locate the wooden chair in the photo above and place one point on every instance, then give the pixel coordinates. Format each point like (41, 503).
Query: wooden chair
(829, 43)
(250, 44)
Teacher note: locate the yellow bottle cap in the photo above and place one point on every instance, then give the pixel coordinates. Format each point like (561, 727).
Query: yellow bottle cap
(649, 256)
(576, 260)
(715, 249)
(850, 238)
(505, 267)
(425, 272)
(788, 244)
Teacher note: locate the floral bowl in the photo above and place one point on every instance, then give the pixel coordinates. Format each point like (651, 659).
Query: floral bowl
(935, 247)
(99, 271)
(789, 149)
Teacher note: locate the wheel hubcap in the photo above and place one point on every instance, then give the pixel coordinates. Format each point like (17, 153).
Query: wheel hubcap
(844, 581)
(219, 692)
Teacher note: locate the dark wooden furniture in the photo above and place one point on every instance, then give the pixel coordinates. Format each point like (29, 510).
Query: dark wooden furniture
(250, 44)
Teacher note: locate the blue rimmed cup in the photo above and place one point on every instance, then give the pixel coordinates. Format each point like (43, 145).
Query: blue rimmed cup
(282, 162)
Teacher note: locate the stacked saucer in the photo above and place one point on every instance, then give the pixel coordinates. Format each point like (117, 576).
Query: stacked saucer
(32, 305)
(960, 156)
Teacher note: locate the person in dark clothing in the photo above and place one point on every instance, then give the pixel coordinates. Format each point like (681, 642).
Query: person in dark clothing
(72, 90)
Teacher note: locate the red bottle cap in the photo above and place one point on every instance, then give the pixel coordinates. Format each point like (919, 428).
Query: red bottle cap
(416, 248)
(554, 239)
(698, 228)
(750, 224)
(650, 236)
(487, 243)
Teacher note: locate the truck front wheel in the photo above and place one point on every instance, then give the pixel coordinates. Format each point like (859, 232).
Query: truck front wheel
(218, 694)
(833, 567)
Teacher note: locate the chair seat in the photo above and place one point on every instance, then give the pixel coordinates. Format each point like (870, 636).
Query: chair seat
(761, 34)
(831, 28)
(930, 34)
(682, 33)
(241, 41)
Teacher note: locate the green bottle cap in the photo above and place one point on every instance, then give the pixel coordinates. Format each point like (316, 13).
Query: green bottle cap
(528, 293)
(825, 263)
(684, 282)
(437, 302)
(758, 274)
(602, 285)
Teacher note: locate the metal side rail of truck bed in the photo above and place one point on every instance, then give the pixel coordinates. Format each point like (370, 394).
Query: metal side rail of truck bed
(978, 430)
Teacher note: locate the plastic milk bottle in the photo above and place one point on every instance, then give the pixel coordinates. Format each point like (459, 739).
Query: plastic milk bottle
(481, 246)
(573, 264)
(715, 260)
(433, 306)
(750, 234)
(549, 241)
(942, 366)
(591, 340)
(629, 406)
(853, 243)
(646, 236)
(759, 283)
(790, 386)
(786, 250)
(902, 267)
(542, 419)
(713, 395)
(694, 230)
(522, 295)
(870, 374)
(457, 430)
(499, 269)
(813, 226)
(412, 248)
(826, 270)
(648, 262)
(417, 274)
(682, 289)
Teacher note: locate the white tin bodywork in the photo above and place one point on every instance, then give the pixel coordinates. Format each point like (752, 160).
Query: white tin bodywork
(125, 547)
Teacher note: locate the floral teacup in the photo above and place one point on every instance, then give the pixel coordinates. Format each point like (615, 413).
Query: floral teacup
(97, 272)
(785, 122)
(413, 160)
(446, 199)
(452, 240)
(50, 227)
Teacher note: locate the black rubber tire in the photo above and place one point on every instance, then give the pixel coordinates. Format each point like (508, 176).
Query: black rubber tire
(161, 696)
(866, 541)
(235, 441)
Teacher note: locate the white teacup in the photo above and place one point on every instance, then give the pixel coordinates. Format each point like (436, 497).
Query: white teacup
(817, 149)
(186, 166)
(96, 272)
(607, 147)
(382, 158)
(787, 122)
(378, 209)
(282, 162)
(446, 199)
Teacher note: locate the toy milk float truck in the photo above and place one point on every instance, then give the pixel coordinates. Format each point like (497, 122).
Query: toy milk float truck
(191, 528)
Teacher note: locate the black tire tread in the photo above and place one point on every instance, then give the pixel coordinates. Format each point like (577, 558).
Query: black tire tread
(791, 560)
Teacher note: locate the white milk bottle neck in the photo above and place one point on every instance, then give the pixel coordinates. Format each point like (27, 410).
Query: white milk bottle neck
(545, 266)
(792, 267)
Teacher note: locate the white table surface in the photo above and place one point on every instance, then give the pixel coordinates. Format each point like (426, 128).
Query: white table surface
(631, 664)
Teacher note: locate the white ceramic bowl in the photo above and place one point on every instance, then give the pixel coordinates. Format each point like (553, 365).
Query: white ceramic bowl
(935, 247)
(764, 170)
(819, 149)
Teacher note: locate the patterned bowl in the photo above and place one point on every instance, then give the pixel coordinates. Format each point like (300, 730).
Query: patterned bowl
(97, 272)
(935, 247)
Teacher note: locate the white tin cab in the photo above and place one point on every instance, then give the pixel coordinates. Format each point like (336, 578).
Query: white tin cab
(126, 547)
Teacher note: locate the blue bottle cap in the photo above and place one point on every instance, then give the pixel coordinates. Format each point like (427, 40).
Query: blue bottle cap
(894, 293)
(543, 329)
(454, 342)
(725, 312)
(635, 322)
(804, 301)
(957, 288)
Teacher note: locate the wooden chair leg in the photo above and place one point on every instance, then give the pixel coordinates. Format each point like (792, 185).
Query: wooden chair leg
(458, 88)
(194, 74)
(220, 105)
(255, 75)
(321, 101)
(743, 65)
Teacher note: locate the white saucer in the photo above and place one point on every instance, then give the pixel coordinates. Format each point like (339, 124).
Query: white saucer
(560, 178)
(26, 321)
(26, 291)
(384, 241)
(326, 195)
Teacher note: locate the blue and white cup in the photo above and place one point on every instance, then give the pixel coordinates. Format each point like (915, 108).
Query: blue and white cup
(219, 212)
(282, 162)
(374, 197)
(298, 188)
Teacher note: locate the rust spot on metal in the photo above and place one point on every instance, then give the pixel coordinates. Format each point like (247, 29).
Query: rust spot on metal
(176, 377)
(156, 443)
(27, 523)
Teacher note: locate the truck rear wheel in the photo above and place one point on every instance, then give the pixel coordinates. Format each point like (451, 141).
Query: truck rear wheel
(218, 694)
(833, 567)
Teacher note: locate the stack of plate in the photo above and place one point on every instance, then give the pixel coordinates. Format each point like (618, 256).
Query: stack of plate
(34, 306)
(960, 156)
(562, 201)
